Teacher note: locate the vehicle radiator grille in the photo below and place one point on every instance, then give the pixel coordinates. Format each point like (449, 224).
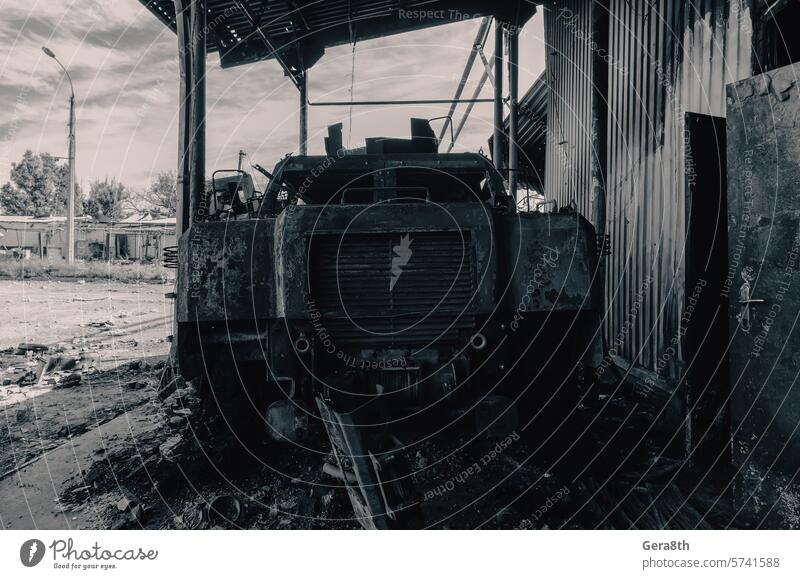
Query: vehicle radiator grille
(393, 288)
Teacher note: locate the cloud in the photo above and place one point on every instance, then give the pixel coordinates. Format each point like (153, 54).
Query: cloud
(123, 63)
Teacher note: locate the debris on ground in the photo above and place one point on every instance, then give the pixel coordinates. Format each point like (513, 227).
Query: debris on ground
(224, 510)
(65, 380)
(179, 467)
(31, 347)
(129, 513)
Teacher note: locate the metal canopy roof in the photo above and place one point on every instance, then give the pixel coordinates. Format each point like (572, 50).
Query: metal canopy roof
(300, 30)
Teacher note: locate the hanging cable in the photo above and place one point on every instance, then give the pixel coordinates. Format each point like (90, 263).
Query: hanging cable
(352, 84)
(352, 71)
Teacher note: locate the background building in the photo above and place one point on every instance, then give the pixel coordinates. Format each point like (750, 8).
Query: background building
(139, 237)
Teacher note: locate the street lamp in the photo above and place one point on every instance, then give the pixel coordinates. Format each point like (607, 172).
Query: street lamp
(71, 158)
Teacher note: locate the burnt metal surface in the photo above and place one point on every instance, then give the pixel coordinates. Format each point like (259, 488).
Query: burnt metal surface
(362, 283)
(549, 261)
(226, 272)
(294, 227)
(323, 179)
(375, 481)
(263, 269)
(353, 274)
(762, 286)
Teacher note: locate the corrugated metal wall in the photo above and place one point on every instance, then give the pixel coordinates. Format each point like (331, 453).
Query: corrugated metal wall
(569, 74)
(666, 57)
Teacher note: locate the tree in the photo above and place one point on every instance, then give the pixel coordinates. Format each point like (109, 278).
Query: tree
(39, 186)
(162, 193)
(106, 199)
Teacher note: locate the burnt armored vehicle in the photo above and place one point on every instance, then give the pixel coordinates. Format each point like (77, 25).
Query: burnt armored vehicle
(366, 299)
(380, 291)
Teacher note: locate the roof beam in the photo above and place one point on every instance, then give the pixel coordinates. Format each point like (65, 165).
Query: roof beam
(258, 30)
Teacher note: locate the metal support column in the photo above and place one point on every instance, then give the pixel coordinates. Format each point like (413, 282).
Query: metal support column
(185, 115)
(498, 139)
(197, 179)
(303, 113)
(513, 115)
(190, 17)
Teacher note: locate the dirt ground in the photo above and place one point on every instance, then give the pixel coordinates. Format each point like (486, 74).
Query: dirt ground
(74, 356)
(106, 321)
(93, 434)
(86, 442)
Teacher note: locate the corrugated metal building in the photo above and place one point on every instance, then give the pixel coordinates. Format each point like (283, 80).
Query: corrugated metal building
(27, 236)
(640, 67)
(140, 237)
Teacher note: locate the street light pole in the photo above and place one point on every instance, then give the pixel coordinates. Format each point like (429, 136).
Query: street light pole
(71, 198)
(71, 157)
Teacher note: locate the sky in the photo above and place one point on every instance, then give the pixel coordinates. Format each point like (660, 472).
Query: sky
(124, 67)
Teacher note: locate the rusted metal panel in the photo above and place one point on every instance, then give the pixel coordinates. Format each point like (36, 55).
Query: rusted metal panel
(764, 266)
(665, 58)
(226, 272)
(253, 269)
(295, 226)
(550, 260)
(411, 288)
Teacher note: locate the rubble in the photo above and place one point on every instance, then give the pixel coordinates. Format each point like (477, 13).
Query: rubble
(24, 415)
(193, 517)
(283, 486)
(50, 406)
(31, 347)
(66, 380)
(70, 430)
(170, 449)
(135, 385)
(224, 510)
(131, 512)
(62, 363)
(177, 422)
